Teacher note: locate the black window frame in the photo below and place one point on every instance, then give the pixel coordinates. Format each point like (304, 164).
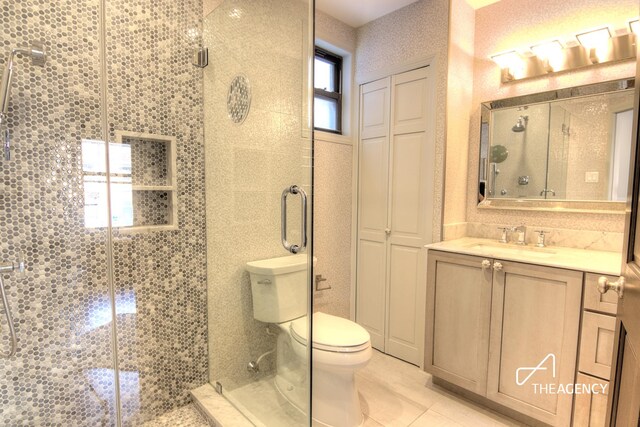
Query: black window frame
(336, 60)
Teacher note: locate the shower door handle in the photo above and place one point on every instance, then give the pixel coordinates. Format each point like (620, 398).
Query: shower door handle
(295, 190)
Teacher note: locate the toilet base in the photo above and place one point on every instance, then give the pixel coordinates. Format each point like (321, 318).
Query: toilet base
(295, 394)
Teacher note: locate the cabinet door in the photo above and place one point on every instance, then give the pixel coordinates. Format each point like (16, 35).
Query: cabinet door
(591, 403)
(534, 339)
(458, 317)
(373, 193)
(596, 344)
(410, 211)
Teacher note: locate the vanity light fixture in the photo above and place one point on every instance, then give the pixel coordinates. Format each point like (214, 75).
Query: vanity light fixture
(511, 63)
(587, 48)
(550, 53)
(597, 41)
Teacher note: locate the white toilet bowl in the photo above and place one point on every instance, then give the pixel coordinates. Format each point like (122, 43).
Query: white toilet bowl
(340, 347)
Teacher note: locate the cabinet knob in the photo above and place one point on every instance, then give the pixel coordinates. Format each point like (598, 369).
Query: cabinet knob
(387, 230)
(486, 263)
(497, 266)
(604, 285)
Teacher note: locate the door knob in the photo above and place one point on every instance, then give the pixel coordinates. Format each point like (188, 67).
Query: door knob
(486, 263)
(604, 285)
(387, 230)
(497, 266)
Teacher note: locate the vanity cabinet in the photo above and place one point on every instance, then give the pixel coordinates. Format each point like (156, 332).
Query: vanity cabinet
(535, 323)
(491, 323)
(596, 350)
(459, 304)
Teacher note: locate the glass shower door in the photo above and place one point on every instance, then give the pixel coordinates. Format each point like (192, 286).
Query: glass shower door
(258, 155)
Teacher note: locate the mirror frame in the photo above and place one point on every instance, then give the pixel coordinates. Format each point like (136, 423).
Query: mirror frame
(584, 206)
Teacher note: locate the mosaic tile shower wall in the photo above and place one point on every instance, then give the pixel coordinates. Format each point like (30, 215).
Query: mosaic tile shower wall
(152, 87)
(63, 372)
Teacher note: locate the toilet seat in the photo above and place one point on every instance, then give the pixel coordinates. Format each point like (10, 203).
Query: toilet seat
(331, 333)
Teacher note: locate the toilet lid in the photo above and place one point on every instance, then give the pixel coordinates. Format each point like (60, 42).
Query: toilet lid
(331, 333)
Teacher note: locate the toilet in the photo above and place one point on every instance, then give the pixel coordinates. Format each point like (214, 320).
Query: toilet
(340, 346)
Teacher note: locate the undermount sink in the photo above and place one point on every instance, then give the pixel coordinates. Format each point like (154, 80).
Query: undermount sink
(529, 251)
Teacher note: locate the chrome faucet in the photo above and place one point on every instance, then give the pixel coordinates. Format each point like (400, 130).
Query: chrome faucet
(522, 234)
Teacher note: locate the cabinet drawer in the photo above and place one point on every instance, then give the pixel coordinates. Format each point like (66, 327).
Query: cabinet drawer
(596, 345)
(590, 409)
(594, 300)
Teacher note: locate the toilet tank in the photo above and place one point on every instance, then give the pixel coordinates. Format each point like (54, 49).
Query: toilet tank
(279, 288)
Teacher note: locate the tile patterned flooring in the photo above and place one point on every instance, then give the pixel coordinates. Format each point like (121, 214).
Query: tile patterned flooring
(392, 394)
(187, 416)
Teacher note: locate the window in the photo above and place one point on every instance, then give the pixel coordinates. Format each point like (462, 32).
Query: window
(327, 85)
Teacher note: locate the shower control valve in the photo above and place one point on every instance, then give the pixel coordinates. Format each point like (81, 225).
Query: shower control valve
(12, 267)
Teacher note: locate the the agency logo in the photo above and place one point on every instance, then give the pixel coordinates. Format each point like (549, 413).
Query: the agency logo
(526, 375)
(539, 367)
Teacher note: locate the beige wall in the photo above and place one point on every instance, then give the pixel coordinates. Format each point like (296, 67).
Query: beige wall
(459, 96)
(333, 163)
(332, 225)
(415, 32)
(336, 32)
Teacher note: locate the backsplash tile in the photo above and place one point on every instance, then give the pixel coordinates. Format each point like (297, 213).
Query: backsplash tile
(578, 239)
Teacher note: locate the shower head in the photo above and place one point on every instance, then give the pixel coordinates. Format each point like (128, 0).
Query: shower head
(38, 57)
(521, 124)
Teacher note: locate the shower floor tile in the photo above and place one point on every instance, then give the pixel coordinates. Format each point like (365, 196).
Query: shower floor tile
(187, 416)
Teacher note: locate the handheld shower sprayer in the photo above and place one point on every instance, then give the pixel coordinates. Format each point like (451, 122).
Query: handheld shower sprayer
(38, 57)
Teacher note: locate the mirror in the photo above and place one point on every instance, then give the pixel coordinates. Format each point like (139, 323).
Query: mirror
(565, 145)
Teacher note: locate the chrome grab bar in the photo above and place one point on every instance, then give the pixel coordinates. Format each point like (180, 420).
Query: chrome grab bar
(294, 189)
(9, 268)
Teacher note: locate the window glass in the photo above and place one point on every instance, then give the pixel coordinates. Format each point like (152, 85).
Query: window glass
(328, 91)
(325, 112)
(324, 77)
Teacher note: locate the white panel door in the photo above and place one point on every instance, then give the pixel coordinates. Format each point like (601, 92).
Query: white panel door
(411, 183)
(372, 216)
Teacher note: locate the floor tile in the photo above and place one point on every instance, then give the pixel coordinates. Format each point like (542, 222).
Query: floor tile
(402, 378)
(433, 419)
(469, 414)
(187, 416)
(385, 406)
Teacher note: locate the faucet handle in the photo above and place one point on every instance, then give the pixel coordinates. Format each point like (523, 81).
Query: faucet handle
(541, 238)
(522, 234)
(503, 237)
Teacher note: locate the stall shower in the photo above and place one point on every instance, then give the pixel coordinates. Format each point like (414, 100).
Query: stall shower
(110, 313)
(136, 189)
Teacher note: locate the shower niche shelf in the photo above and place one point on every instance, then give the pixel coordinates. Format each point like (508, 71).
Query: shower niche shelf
(146, 164)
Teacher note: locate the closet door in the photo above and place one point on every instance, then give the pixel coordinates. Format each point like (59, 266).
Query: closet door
(410, 212)
(373, 201)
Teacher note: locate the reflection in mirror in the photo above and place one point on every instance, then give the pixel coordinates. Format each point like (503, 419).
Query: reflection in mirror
(570, 145)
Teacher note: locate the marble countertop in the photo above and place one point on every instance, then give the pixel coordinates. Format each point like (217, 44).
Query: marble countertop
(590, 261)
